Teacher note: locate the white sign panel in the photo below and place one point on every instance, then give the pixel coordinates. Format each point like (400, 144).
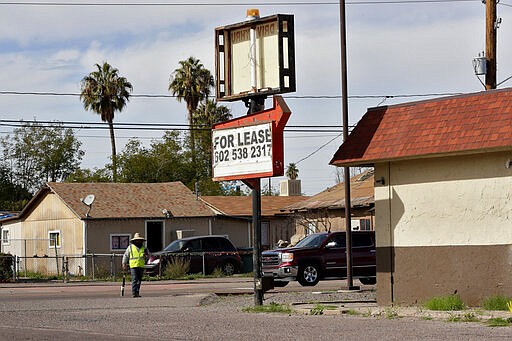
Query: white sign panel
(267, 57)
(242, 150)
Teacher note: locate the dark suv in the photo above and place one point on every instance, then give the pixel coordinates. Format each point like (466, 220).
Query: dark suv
(322, 256)
(205, 254)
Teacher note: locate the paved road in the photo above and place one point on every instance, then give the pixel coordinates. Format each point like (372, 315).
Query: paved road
(180, 311)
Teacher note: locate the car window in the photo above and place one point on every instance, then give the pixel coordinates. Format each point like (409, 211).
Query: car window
(361, 239)
(313, 240)
(338, 239)
(211, 244)
(225, 245)
(193, 245)
(176, 245)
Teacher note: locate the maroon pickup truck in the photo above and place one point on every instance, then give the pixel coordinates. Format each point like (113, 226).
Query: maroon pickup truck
(322, 256)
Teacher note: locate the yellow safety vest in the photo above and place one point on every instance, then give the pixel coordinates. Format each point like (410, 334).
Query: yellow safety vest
(137, 259)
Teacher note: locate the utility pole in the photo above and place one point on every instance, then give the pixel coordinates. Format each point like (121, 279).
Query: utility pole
(491, 26)
(346, 170)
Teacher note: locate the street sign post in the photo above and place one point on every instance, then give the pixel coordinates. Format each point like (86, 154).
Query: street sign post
(253, 59)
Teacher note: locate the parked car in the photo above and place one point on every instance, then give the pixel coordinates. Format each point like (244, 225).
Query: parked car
(205, 254)
(322, 256)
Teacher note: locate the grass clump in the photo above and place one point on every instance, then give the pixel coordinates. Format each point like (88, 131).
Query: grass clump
(177, 268)
(446, 303)
(496, 303)
(269, 308)
(499, 322)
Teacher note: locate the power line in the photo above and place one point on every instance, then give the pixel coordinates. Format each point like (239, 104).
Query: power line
(49, 93)
(318, 149)
(156, 126)
(185, 4)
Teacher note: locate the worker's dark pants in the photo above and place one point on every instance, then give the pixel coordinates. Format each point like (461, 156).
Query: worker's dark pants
(136, 280)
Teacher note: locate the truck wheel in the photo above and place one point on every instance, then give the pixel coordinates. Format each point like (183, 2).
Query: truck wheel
(228, 268)
(308, 275)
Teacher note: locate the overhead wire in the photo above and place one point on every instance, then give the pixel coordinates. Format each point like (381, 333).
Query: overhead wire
(51, 93)
(183, 4)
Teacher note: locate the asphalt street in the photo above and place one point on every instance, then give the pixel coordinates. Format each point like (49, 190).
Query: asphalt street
(200, 310)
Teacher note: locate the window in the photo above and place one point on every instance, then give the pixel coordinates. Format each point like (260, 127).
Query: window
(365, 224)
(311, 228)
(54, 238)
(5, 237)
(119, 241)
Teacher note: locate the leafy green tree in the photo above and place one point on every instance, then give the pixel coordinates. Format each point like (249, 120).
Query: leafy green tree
(88, 175)
(191, 83)
(105, 92)
(12, 197)
(35, 154)
(164, 160)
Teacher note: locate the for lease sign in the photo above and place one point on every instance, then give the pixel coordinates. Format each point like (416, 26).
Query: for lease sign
(242, 150)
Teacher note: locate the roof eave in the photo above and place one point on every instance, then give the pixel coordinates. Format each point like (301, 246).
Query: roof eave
(372, 162)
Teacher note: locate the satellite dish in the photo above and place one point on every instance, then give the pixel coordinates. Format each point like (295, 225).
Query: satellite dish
(88, 200)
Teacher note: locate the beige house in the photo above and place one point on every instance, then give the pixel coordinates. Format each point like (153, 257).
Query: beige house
(325, 211)
(56, 220)
(234, 212)
(443, 195)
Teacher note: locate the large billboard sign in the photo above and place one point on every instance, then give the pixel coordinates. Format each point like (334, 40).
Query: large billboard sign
(251, 146)
(274, 60)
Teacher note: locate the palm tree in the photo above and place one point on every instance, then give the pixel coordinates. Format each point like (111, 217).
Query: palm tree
(105, 92)
(206, 114)
(191, 83)
(292, 172)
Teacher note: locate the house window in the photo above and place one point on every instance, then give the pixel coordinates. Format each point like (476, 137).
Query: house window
(119, 241)
(54, 239)
(5, 237)
(365, 224)
(311, 228)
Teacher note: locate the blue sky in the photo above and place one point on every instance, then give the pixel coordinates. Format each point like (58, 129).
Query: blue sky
(393, 49)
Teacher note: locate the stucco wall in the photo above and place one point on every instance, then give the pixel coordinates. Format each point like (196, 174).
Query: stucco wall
(99, 231)
(436, 216)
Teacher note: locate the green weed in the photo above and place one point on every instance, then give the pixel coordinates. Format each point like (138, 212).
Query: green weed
(447, 303)
(269, 308)
(499, 322)
(496, 303)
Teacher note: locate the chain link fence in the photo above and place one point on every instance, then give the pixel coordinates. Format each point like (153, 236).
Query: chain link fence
(70, 267)
(43, 258)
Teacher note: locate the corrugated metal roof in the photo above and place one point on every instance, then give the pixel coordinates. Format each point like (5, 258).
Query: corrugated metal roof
(361, 194)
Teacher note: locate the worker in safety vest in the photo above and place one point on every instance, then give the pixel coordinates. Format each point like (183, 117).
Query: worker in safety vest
(136, 256)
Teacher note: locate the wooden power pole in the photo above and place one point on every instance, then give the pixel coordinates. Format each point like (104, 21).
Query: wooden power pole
(491, 26)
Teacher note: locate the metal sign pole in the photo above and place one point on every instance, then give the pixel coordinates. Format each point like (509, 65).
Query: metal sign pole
(256, 259)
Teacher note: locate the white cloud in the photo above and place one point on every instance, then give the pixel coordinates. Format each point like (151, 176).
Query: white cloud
(397, 49)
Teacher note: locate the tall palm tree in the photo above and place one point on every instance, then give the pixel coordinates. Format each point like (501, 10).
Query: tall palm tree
(191, 83)
(292, 172)
(105, 92)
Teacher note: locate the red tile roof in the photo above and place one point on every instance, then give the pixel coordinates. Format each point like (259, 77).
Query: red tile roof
(241, 206)
(128, 200)
(471, 123)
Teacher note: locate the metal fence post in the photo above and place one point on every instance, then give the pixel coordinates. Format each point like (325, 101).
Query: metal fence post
(57, 257)
(92, 263)
(204, 266)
